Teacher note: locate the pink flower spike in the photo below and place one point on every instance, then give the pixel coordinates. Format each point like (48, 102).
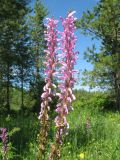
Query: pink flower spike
(67, 72)
(4, 138)
(50, 52)
(66, 80)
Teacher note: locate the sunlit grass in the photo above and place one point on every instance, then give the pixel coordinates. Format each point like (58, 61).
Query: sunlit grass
(101, 141)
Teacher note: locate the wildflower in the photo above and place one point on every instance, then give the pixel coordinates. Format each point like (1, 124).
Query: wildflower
(68, 143)
(67, 80)
(67, 74)
(82, 155)
(4, 138)
(51, 38)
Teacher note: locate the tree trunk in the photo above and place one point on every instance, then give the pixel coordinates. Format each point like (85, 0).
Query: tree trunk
(37, 74)
(22, 91)
(117, 80)
(116, 61)
(118, 91)
(8, 88)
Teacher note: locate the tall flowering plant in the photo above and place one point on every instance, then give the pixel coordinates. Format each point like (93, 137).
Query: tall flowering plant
(51, 40)
(67, 81)
(4, 139)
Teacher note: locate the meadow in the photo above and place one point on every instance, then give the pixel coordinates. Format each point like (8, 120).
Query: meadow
(38, 58)
(94, 132)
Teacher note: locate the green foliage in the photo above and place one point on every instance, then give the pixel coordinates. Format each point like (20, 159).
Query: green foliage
(94, 132)
(97, 100)
(22, 130)
(21, 55)
(10, 149)
(12, 14)
(36, 31)
(103, 23)
(29, 102)
(38, 44)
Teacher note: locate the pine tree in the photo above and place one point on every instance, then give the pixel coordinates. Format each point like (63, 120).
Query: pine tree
(103, 23)
(37, 48)
(23, 60)
(11, 14)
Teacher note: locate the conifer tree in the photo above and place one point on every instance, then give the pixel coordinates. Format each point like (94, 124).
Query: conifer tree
(37, 48)
(103, 23)
(12, 13)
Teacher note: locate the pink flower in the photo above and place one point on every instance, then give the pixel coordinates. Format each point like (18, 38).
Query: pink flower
(4, 138)
(51, 37)
(66, 79)
(51, 61)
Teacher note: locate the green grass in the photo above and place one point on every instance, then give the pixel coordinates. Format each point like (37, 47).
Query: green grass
(101, 141)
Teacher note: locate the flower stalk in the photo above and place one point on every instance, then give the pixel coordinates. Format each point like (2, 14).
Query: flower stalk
(67, 81)
(51, 39)
(4, 138)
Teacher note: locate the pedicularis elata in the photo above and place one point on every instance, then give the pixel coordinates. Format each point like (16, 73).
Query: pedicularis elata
(4, 139)
(67, 59)
(51, 39)
(67, 80)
